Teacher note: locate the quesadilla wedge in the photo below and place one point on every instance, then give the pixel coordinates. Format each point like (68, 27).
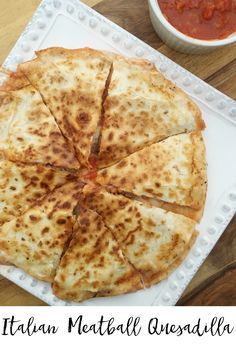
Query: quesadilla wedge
(72, 83)
(173, 170)
(142, 107)
(152, 239)
(94, 265)
(30, 133)
(36, 240)
(22, 185)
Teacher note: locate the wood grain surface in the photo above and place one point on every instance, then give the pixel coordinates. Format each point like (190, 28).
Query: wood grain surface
(215, 282)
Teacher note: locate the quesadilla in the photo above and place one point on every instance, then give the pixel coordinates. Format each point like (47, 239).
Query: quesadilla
(72, 83)
(36, 240)
(22, 185)
(102, 172)
(94, 265)
(173, 170)
(30, 133)
(152, 239)
(142, 107)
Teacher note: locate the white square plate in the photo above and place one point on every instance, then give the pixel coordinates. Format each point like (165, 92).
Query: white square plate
(71, 24)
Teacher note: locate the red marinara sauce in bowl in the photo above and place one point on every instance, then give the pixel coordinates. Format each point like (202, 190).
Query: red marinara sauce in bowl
(194, 25)
(202, 19)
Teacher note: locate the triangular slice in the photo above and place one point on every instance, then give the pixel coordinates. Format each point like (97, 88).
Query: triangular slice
(36, 240)
(142, 107)
(30, 133)
(94, 264)
(154, 241)
(173, 170)
(22, 185)
(72, 83)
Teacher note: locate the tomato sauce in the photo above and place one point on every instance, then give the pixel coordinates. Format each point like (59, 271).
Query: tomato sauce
(91, 175)
(202, 19)
(93, 161)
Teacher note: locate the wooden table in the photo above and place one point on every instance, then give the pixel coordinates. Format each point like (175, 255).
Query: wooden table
(215, 282)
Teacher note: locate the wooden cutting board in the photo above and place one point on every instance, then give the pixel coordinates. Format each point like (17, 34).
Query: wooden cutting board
(215, 282)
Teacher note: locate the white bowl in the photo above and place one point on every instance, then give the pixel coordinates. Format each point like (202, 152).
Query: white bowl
(179, 41)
